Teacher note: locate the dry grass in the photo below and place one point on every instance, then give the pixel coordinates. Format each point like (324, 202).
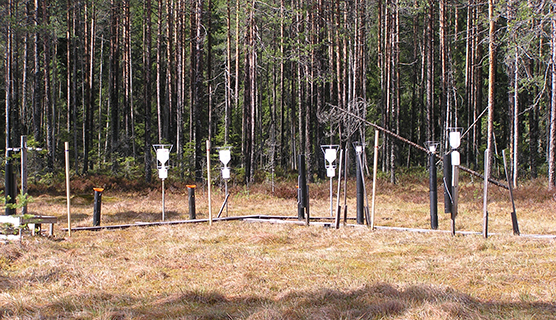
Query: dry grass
(240, 270)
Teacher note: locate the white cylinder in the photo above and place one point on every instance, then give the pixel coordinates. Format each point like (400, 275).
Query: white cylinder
(163, 173)
(455, 158)
(330, 172)
(225, 173)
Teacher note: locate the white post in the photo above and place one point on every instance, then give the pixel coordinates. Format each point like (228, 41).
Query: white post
(66, 151)
(209, 184)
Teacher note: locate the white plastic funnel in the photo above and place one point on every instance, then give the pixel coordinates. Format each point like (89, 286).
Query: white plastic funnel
(162, 155)
(330, 155)
(225, 156)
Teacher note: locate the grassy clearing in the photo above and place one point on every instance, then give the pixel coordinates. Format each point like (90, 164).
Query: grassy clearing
(240, 270)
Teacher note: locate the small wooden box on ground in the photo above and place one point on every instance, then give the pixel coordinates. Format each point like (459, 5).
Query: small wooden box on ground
(32, 221)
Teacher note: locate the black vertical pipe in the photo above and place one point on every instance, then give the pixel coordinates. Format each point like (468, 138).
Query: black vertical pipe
(433, 191)
(191, 194)
(97, 206)
(447, 163)
(302, 179)
(9, 183)
(300, 208)
(360, 191)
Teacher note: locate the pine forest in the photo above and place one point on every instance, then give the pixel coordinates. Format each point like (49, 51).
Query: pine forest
(273, 79)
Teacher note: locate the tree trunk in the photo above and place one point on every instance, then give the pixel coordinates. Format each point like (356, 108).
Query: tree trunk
(552, 137)
(113, 89)
(147, 65)
(491, 82)
(159, 107)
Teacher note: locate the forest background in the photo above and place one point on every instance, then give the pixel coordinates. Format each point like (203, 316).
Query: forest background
(277, 78)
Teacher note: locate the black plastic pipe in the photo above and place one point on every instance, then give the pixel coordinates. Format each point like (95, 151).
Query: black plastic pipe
(360, 191)
(97, 206)
(302, 189)
(447, 163)
(433, 191)
(191, 194)
(10, 188)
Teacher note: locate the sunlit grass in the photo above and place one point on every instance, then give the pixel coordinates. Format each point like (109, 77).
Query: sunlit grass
(242, 270)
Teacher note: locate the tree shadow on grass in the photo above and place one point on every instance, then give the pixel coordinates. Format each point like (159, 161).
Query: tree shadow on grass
(377, 301)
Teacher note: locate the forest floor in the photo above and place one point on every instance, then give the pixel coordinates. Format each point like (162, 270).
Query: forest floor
(254, 270)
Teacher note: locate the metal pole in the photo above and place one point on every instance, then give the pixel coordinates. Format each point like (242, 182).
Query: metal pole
(338, 210)
(433, 191)
(515, 226)
(375, 168)
(224, 204)
(331, 197)
(163, 201)
(66, 151)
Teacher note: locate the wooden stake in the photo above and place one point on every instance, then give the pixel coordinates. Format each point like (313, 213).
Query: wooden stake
(485, 193)
(209, 183)
(375, 166)
(66, 151)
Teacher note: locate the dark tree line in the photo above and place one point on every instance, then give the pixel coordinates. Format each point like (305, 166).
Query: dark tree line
(272, 78)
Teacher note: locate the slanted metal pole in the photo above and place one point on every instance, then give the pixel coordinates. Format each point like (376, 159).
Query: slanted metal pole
(227, 194)
(338, 209)
(360, 201)
(515, 226)
(447, 163)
